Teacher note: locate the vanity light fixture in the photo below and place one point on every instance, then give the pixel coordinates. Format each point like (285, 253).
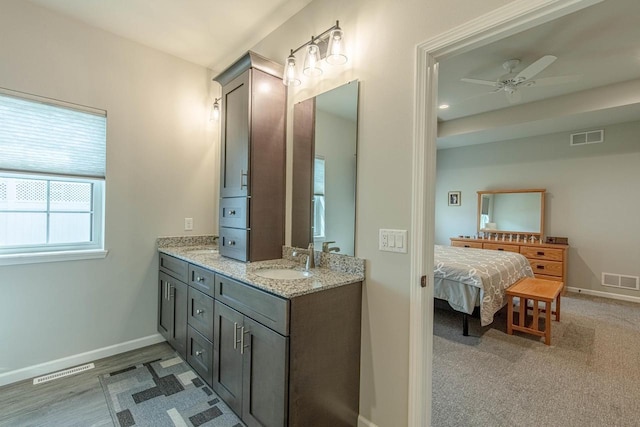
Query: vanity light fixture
(215, 110)
(328, 45)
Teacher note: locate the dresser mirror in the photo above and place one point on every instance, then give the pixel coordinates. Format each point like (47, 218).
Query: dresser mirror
(511, 211)
(325, 131)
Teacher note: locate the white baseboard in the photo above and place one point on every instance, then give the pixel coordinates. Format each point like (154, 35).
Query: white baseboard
(363, 422)
(604, 294)
(77, 359)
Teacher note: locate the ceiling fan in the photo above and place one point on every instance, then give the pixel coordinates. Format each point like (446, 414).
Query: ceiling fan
(511, 82)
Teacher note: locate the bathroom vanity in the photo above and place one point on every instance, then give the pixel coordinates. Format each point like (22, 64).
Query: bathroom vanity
(279, 352)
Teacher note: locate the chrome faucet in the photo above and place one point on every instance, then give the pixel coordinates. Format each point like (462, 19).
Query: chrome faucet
(326, 248)
(311, 258)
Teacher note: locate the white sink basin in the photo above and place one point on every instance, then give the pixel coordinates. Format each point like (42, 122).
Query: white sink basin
(282, 273)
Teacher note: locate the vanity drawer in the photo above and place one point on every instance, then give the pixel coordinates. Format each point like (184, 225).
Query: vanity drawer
(200, 355)
(200, 313)
(270, 310)
(501, 247)
(549, 254)
(233, 243)
(201, 279)
(174, 267)
(547, 268)
(476, 245)
(233, 212)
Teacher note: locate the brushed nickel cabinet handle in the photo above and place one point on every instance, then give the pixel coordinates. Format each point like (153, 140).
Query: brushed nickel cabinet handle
(242, 346)
(198, 311)
(235, 335)
(231, 212)
(199, 353)
(243, 175)
(199, 279)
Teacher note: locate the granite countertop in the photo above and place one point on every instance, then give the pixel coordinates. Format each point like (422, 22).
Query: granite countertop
(322, 278)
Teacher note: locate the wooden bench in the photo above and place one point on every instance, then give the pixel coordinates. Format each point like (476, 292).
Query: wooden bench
(536, 290)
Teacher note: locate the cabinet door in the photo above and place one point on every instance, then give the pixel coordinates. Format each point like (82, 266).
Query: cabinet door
(227, 360)
(165, 307)
(265, 376)
(178, 294)
(234, 156)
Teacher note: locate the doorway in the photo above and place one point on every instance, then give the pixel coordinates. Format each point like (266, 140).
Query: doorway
(516, 16)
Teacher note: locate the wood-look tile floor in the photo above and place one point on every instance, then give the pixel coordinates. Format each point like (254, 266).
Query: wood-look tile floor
(76, 400)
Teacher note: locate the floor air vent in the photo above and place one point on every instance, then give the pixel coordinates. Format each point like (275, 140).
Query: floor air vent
(65, 373)
(584, 138)
(620, 281)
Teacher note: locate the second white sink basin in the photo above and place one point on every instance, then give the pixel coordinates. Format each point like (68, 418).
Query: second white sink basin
(282, 273)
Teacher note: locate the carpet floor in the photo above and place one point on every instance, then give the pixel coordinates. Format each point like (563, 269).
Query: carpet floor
(589, 376)
(164, 393)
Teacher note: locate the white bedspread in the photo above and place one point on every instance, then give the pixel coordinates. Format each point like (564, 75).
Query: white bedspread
(491, 271)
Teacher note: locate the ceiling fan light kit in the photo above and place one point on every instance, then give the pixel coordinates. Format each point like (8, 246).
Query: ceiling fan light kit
(511, 82)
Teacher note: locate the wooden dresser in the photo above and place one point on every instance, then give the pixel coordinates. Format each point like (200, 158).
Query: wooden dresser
(548, 261)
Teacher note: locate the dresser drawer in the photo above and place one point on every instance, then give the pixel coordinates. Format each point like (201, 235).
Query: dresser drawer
(501, 247)
(174, 267)
(547, 268)
(234, 212)
(200, 313)
(476, 245)
(270, 310)
(544, 276)
(233, 243)
(201, 279)
(200, 355)
(548, 254)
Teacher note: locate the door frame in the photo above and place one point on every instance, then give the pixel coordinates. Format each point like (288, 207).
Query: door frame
(514, 17)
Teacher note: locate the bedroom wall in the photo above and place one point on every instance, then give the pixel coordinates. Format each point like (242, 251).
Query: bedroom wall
(161, 167)
(592, 195)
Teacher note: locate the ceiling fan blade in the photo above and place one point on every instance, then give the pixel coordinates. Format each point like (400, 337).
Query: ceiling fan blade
(558, 80)
(536, 67)
(514, 97)
(480, 82)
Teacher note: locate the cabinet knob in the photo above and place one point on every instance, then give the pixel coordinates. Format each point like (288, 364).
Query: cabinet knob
(231, 213)
(199, 311)
(199, 353)
(199, 279)
(232, 242)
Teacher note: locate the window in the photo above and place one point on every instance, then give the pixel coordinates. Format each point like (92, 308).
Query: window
(52, 172)
(318, 199)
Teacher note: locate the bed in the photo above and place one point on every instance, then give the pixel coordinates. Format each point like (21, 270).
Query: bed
(468, 278)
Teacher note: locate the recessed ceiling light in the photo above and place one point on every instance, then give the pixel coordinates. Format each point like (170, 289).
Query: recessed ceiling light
(443, 106)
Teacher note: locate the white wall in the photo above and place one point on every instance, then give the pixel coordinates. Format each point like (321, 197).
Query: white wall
(381, 36)
(334, 141)
(161, 167)
(592, 195)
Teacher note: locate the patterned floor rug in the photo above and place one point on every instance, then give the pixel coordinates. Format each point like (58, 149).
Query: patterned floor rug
(164, 393)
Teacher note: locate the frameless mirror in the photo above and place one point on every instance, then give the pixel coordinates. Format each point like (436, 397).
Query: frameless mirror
(511, 211)
(325, 130)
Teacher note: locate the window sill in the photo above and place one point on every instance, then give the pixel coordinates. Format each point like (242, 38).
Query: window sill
(42, 257)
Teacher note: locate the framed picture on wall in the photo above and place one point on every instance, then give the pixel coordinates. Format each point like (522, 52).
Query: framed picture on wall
(454, 198)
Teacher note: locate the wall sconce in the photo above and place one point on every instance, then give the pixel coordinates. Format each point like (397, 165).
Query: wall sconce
(327, 45)
(215, 110)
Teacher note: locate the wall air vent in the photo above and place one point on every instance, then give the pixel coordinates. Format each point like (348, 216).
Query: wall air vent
(620, 281)
(584, 138)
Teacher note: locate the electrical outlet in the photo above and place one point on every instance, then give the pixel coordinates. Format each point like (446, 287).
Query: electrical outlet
(392, 240)
(188, 224)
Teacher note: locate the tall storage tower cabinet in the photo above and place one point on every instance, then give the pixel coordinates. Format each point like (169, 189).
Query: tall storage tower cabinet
(253, 156)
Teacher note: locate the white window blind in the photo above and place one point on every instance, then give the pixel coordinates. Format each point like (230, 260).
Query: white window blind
(40, 137)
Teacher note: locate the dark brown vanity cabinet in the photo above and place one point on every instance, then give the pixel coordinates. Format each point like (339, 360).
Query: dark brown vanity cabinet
(172, 303)
(252, 169)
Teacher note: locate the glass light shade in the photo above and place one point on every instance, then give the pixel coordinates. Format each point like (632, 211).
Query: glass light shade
(215, 111)
(312, 61)
(335, 50)
(290, 77)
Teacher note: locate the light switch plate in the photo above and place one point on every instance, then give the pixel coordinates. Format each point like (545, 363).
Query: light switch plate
(188, 224)
(392, 240)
